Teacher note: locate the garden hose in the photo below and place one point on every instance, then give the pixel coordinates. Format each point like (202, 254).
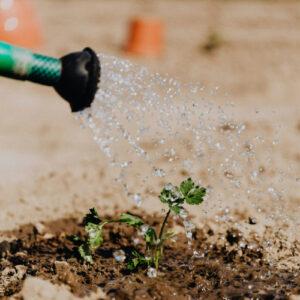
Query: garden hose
(75, 76)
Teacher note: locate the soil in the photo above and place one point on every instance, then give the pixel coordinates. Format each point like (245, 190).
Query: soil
(213, 267)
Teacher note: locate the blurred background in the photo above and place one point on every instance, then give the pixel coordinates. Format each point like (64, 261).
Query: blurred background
(249, 49)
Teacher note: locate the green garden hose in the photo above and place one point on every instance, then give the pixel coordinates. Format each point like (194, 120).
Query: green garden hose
(74, 76)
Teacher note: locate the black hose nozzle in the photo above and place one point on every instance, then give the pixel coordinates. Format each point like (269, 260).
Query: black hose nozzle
(79, 79)
(75, 76)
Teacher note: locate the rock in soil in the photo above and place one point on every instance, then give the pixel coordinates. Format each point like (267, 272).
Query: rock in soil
(37, 289)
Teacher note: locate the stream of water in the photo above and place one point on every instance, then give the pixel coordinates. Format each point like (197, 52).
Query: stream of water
(154, 130)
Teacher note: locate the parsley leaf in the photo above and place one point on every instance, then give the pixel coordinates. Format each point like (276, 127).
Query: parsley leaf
(131, 220)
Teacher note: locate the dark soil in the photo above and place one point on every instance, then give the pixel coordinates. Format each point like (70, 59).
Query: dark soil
(223, 269)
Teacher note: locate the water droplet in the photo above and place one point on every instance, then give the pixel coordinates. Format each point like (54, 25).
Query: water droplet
(125, 164)
(159, 172)
(151, 272)
(218, 146)
(274, 193)
(197, 254)
(169, 187)
(241, 128)
(143, 229)
(242, 244)
(147, 124)
(226, 210)
(252, 246)
(254, 175)
(137, 198)
(119, 255)
(183, 213)
(172, 152)
(188, 225)
(136, 241)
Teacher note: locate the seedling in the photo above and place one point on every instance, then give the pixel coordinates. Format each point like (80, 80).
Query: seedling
(94, 230)
(174, 197)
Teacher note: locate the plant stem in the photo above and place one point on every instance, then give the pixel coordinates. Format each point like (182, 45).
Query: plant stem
(164, 224)
(158, 247)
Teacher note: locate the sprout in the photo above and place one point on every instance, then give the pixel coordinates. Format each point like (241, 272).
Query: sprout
(174, 197)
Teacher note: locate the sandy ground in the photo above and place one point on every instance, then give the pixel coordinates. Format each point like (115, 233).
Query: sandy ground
(49, 167)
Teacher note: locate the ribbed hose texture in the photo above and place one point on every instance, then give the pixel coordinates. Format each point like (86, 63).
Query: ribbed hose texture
(44, 70)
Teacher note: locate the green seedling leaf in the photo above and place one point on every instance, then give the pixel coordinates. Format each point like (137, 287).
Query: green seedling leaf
(168, 235)
(193, 193)
(138, 260)
(93, 228)
(75, 239)
(173, 197)
(195, 196)
(176, 209)
(133, 264)
(95, 235)
(131, 220)
(92, 217)
(85, 253)
(186, 186)
(150, 237)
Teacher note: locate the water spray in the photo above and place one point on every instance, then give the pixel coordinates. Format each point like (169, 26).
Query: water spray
(75, 76)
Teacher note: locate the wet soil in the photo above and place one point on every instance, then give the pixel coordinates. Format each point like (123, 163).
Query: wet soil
(214, 267)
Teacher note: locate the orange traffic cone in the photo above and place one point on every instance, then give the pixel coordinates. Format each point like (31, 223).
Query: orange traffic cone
(145, 37)
(19, 24)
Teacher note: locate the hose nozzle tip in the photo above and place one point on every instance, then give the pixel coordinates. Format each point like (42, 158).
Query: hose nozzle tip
(79, 79)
